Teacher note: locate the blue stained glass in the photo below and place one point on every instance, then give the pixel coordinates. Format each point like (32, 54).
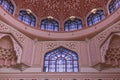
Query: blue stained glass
(68, 57)
(114, 4)
(27, 18)
(61, 60)
(49, 25)
(7, 5)
(53, 57)
(46, 62)
(75, 57)
(94, 18)
(61, 65)
(71, 25)
(75, 62)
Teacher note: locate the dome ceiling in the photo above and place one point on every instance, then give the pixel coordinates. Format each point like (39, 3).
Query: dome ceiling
(60, 9)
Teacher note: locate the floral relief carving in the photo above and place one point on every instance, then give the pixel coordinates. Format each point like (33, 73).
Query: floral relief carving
(7, 53)
(51, 4)
(94, 3)
(60, 9)
(52, 7)
(18, 51)
(102, 36)
(7, 56)
(71, 45)
(3, 27)
(112, 56)
(20, 37)
(51, 45)
(10, 51)
(72, 4)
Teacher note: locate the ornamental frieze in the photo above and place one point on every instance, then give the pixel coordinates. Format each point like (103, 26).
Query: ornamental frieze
(7, 29)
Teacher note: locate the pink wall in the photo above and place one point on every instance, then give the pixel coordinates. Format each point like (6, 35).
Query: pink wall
(30, 46)
(90, 31)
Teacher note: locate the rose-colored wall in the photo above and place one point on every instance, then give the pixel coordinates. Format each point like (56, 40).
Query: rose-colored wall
(31, 49)
(74, 35)
(42, 47)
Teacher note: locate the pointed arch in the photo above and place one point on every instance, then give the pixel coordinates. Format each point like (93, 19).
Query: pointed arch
(112, 56)
(94, 18)
(110, 45)
(8, 55)
(27, 18)
(11, 50)
(49, 25)
(73, 24)
(61, 60)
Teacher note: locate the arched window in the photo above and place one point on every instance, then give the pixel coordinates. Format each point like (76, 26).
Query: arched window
(72, 24)
(7, 5)
(114, 4)
(49, 25)
(27, 17)
(61, 60)
(94, 18)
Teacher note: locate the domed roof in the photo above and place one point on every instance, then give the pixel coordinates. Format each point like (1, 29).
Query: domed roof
(61, 9)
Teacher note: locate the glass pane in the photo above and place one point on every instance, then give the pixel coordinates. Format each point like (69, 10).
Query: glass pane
(7, 5)
(114, 4)
(61, 60)
(27, 18)
(71, 25)
(50, 25)
(95, 18)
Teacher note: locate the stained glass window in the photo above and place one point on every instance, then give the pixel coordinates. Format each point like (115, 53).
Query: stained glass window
(7, 5)
(73, 24)
(61, 60)
(114, 4)
(94, 18)
(49, 25)
(27, 18)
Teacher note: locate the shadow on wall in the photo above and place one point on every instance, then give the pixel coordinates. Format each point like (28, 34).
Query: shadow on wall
(10, 52)
(112, 56)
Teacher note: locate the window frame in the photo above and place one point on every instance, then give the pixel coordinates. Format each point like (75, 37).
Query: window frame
(70, 65)
(113, 5)
(27, 18)
(8, 6)
(94, 18)
(72, 25)
(49, 25)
